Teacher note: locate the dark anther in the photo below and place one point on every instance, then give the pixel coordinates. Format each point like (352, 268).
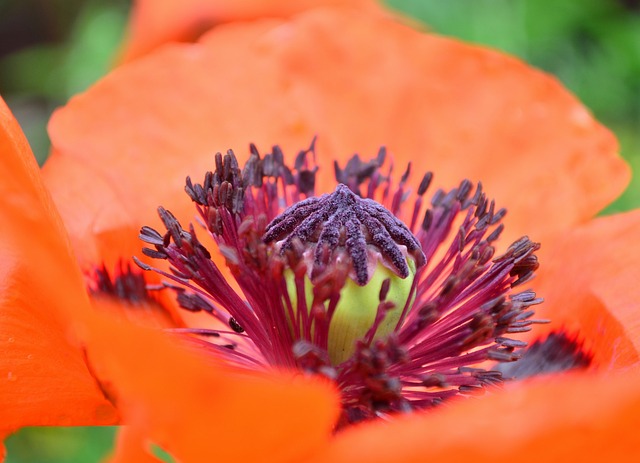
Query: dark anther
(227, 186)
(141, 264)
(193, 302)
(312, 359)
(125, 284)
(151, 236)
(434, 380)
(558, 352)
(221, 188)
(172, 225)
(306, 175)
(463, 190)
(342, 219)
(357, 171)
(235, 326)
(406, 174)
(252, 172)
(511, 343)
(424, 184)
(495, 234)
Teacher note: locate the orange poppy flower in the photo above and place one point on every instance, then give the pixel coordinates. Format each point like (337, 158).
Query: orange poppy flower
(125, 146)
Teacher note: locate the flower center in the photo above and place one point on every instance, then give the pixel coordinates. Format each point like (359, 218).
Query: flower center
(379, 252)
(400, 317)
(341, 223)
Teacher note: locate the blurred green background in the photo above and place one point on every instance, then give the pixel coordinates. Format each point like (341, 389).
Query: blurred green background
(52, 49)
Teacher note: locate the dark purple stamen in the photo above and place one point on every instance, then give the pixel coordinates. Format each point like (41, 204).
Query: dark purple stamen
(556, 353)
(124, 284)
(344, 220)
(462, 313)
(139, 298)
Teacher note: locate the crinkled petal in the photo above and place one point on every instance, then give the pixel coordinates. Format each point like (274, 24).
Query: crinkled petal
(183, 400)
(156, 22)
(459, 110)
(573, 418)
(590, 286)
(44, 379)
(103, 230)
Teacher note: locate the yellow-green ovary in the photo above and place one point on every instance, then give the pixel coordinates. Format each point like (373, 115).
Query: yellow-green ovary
(357, 308)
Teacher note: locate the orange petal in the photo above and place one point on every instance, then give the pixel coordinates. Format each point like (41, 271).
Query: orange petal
(460, 110)
(199, 410)
(44, 379)
(590, 286)
(101, 228)
(152, 312)
(156, 22)
(554, 419)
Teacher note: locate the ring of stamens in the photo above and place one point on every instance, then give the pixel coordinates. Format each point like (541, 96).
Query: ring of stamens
(461, 315)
